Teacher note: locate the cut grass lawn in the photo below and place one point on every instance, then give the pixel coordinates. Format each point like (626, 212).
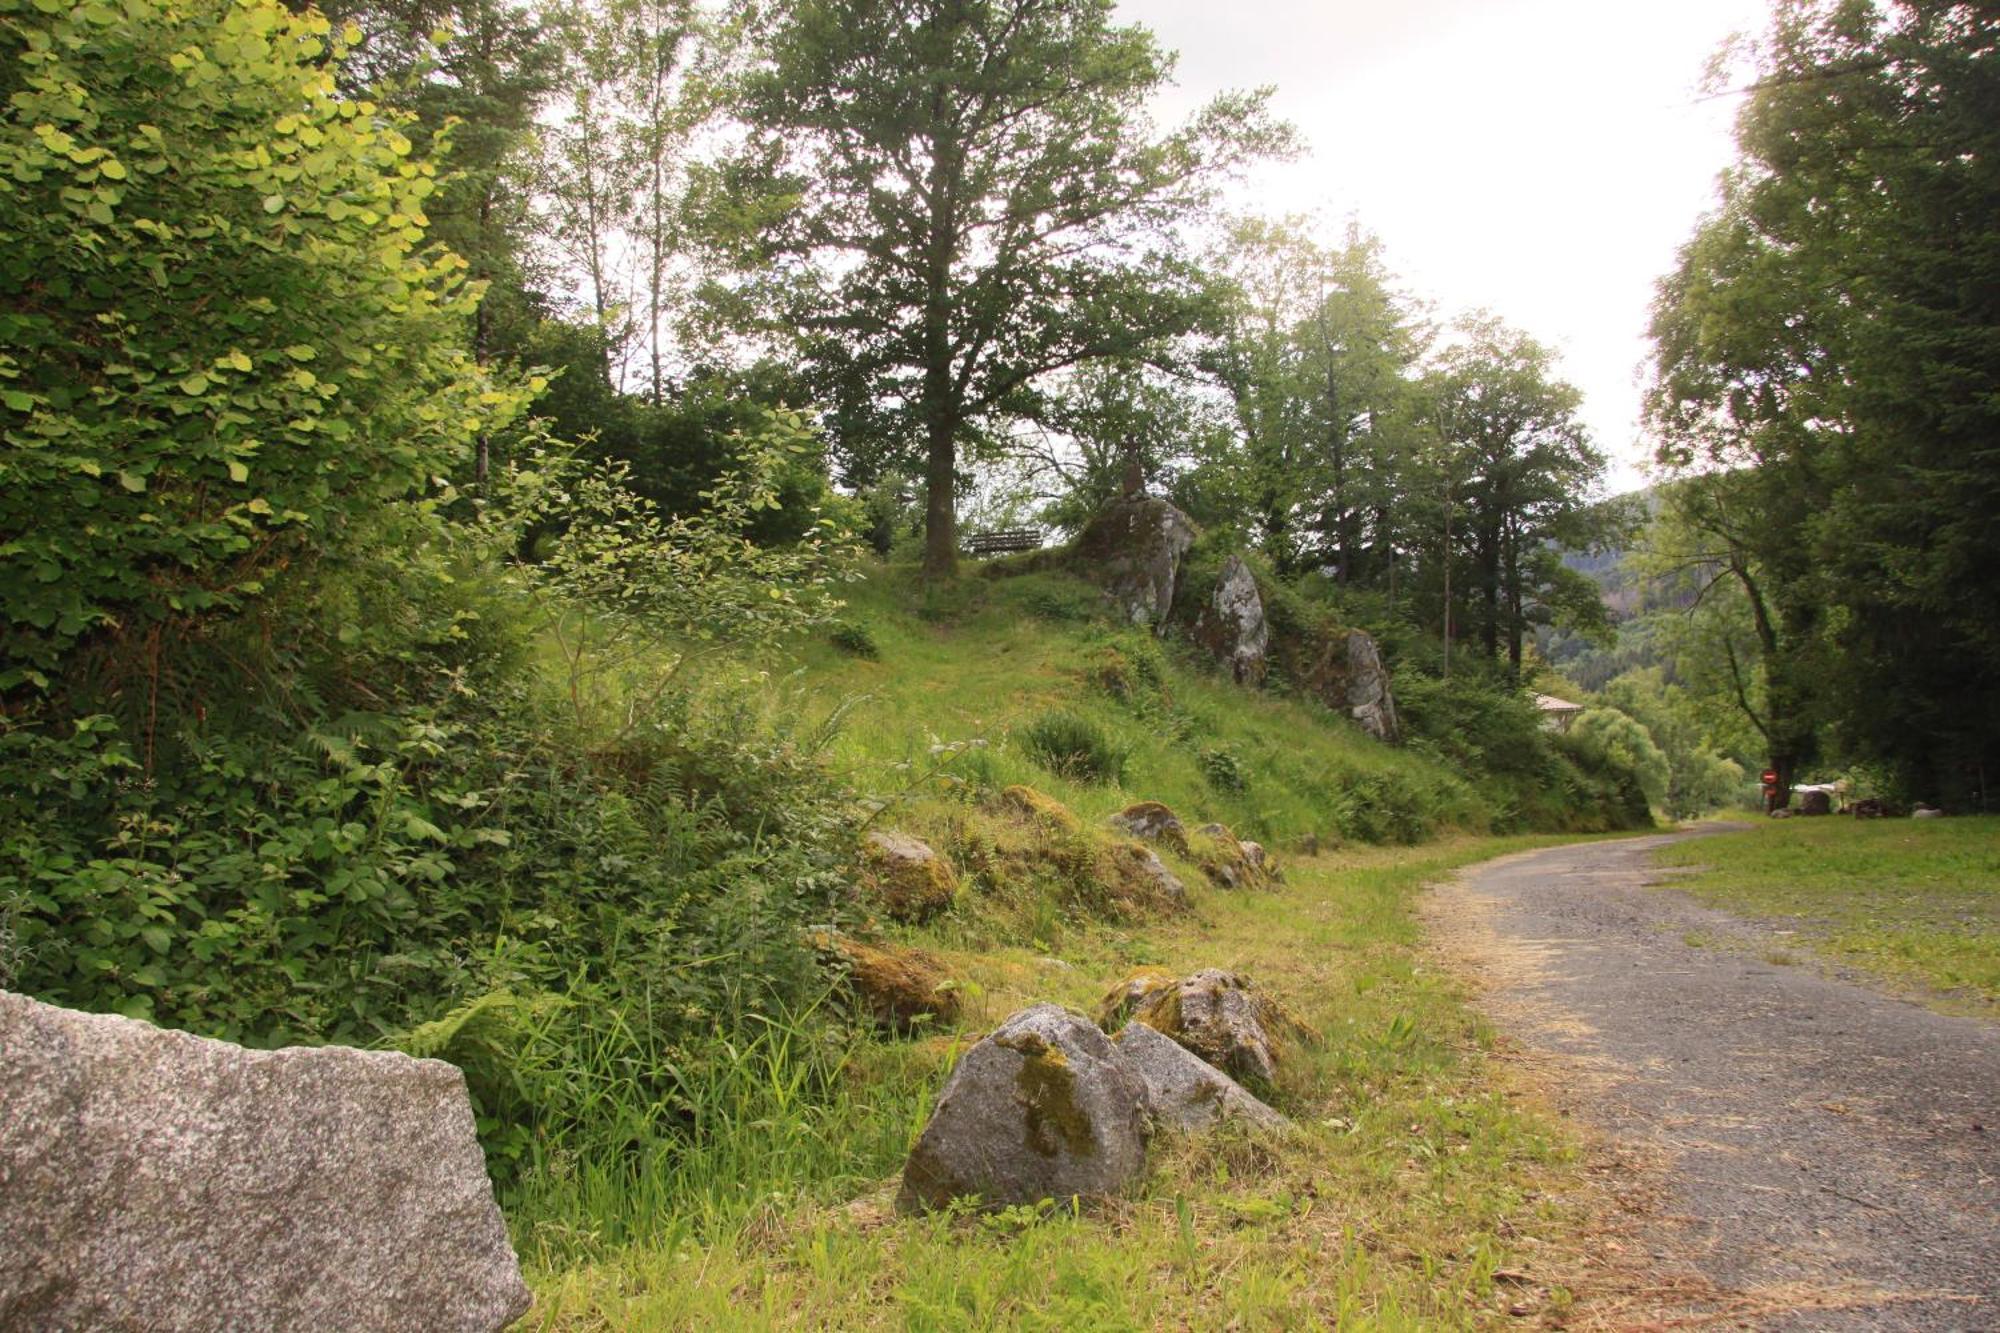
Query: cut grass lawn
(1416, 1175)
(1916, 902)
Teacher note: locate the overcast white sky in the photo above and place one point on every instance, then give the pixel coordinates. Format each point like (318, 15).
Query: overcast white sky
(1540, 158)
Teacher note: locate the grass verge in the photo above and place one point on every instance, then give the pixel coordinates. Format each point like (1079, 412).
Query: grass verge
(1420, 1191)
(1915, 902)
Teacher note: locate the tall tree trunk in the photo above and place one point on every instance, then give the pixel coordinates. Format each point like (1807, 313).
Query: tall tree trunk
(942, 404)
(1489, 592)
(1512, 548)
(940, 503)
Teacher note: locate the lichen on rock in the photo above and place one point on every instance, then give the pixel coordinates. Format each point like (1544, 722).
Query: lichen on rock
(900, 989)
(1043, 1108)
(906, 876)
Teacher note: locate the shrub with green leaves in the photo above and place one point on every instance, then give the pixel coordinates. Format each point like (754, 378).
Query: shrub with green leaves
(225, 340)
(1074, 746)
(1223, 770)
(855, 639)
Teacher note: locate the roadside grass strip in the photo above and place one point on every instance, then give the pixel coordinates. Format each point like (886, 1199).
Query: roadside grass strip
(1423, 1188)
(1914, 902)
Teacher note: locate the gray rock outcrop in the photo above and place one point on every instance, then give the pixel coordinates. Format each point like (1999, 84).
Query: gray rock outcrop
(1232, 625)
(152, 1179)
(1185, 1092)
(1217, 1015)
(1369, 701)
(1043, 1108)
(1133, 551)
(1153, 822)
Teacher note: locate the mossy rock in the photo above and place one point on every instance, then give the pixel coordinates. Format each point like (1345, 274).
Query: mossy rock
(902, 990)
(1218, 1015)
(1227, 860)
(1133, 990)
(1135, 877)
(1132, 549)
(1154, 822)
(906, 876)
(1043, 809)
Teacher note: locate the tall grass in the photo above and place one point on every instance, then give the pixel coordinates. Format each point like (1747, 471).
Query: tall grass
(791, 1109)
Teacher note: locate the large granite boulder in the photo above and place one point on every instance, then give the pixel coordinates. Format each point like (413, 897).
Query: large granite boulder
(156, 1180)
(1231, 626)
(1368, 700)
(1133, 551)
(1343, 669)
(1187, 1093)
(906, 876)
(1043, 1108)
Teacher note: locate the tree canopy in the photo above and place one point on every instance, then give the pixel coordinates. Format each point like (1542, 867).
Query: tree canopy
(1831, 341)
(977, 202)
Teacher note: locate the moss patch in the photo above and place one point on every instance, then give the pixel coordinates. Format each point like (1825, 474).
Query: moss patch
(1047, 1085)
(900, 989)
(909, 888)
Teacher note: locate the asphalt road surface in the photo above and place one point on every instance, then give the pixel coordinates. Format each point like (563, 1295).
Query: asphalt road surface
(1830, 1146)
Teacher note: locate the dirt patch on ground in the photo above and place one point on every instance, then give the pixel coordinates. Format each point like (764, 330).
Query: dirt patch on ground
(1771, 1148)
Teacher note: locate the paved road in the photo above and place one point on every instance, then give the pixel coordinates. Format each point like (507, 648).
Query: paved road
(1819, 1137)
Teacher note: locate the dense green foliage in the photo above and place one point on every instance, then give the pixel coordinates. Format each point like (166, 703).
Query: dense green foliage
(225, 344)
(1828, 347)
(972, 202)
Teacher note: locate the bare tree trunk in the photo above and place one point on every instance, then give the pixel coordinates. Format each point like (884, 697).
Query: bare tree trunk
(940, 503)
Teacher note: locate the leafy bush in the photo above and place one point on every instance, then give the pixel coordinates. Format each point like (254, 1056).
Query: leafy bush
(1223, 770)
(1074, 747)
(240, 344)
(1606, 740)
(855, 639)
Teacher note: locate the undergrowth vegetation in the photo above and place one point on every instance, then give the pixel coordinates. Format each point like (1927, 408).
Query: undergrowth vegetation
(1402, 1202)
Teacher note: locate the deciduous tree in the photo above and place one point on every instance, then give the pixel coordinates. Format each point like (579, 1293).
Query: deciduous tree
(978, 201)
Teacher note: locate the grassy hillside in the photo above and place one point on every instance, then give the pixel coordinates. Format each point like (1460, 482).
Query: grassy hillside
(985, 659)
(1414, 1169)
(1422, 1189)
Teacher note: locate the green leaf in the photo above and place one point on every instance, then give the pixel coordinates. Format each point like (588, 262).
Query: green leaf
(17, 400)
(273, 202)
(112, 168)
(237, 470)
(301, 352)
(131, 481)
(195, 385)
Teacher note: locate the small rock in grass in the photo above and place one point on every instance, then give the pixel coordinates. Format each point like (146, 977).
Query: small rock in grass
(1152, 821)
(1043, 1108)
(908, 877)
(1186, 1092)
